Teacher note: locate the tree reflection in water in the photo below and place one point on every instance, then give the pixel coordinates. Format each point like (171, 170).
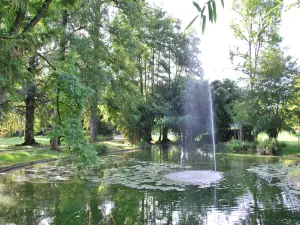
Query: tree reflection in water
(240, 198)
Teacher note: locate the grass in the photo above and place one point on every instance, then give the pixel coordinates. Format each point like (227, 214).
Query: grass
(171, 137)
(18, 140)
(8, 144)
(292, 147)
(114, 146)
(9, 159)
(25, 153)
(283, 136)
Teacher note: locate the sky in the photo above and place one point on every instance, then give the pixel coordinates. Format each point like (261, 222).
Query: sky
(218, 38)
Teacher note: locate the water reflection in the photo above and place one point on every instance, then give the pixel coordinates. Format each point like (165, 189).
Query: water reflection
(240, 198)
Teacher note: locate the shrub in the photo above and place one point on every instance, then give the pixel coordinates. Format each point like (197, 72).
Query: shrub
(268, 147)
(239, 146)
(101, 149)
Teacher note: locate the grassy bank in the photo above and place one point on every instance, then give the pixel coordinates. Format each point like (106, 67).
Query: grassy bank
(291, 148)
(116, 146)
(291, 141)
(19, 140)
(9, 159)
(24, 154)
(12, 154)
(8, 144)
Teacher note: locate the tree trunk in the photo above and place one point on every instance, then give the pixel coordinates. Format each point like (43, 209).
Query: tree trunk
(141, 74)
(29, 115)
(147, 137)
(93, 119)
(55, 141)
(153, 69)
(2, 96)
(165, 134)
(145, 79)
(169, 72)
(54, 144)
(159, 139)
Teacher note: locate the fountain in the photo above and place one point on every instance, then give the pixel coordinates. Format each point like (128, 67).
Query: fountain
(212, 125)
(199, 108)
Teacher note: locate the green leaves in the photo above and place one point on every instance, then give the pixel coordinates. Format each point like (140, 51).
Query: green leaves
(222, 2)
(214, 11)
(197, 6)
(203, 23)
(211, 11)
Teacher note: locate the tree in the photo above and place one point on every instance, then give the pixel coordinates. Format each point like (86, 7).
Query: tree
(255, 32)
(225, 94)
(21, 19)
(274, 91)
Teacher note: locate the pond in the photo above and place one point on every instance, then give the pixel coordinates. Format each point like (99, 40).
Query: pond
(132, 189)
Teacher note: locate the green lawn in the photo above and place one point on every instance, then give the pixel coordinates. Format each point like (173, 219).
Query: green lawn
(9, 159)
(292, 148)
(8, 144)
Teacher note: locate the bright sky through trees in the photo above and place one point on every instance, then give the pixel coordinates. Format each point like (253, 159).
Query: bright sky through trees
(217, 39)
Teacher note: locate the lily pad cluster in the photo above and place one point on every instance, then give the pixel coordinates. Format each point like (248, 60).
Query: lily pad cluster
(128, 172)
(147, 175)
(280, 175)
(51, 172)
(47, 174)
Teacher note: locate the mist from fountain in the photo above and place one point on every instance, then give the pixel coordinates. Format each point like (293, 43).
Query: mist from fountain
(198, 122)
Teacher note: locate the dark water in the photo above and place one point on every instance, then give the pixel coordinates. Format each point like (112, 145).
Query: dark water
(240, 198)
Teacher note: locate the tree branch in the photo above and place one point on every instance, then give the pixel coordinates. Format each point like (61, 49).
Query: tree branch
(19, 19)
(240, 32)
(40, 13)
(46, 60)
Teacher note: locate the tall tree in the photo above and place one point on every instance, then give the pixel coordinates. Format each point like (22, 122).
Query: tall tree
(274, 91)
(255, 33)
(17, 30)
(225, 94)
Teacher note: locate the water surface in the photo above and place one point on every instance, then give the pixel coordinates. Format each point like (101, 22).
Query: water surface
(241, 197)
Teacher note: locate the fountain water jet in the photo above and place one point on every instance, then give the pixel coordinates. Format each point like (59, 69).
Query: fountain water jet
(212, 126)
(199, 107)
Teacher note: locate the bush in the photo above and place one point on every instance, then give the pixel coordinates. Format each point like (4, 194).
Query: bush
(238, 146)
(101, 149)
(268, 147)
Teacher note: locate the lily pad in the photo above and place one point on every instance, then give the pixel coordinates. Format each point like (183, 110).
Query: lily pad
(280, 175)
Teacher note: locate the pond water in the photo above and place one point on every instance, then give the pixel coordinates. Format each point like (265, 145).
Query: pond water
(132, 189)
